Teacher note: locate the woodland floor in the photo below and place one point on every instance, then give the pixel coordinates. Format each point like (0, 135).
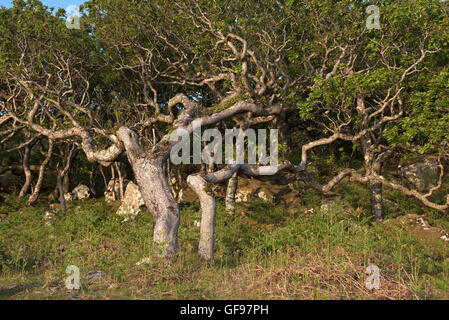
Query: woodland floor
(262, 252)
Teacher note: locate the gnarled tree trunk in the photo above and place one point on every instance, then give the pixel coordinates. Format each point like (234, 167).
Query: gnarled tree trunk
(154, 187)
(208, 212)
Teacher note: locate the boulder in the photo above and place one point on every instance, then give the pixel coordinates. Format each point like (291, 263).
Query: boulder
(265, 195)
(421, 175)
(112, 192)
(132, 203)
(81, 192)
(95, 275)
(16, 288)
(249, 189)
(243, 195)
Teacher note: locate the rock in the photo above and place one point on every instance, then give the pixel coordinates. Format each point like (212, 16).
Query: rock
(424, 224)
(262, 194)
(94, 275)
(52, 197)
(68, 196)
(81, 192)
(132, 203)
(143, 261)
(327, 204)
(49, 217)
(422, 174)
(55, 206)
(54, 286)
(243, 195)
(325, 207)
(249, 189)
(16, 288)
(112, 192)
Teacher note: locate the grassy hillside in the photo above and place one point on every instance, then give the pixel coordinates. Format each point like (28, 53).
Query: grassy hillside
(262, 252)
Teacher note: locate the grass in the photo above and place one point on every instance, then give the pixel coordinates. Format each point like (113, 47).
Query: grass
(262, 252)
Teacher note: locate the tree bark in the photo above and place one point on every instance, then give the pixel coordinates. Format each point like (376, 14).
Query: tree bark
(154, 187)
(155, 190)
(61, 190)
(373, 163)
(27, 171)
(37, 189)
(66, 183)
(230, 193)
(68, 155)
(92, 175)
(208, 213)
(120, 180)
(105, 182)
(377, 208)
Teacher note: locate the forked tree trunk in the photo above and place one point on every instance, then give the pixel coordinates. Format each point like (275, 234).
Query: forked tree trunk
(154, 187)
(208, 211)
(230, 193)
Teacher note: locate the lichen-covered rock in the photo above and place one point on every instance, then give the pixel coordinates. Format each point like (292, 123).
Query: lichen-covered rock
(249, 189)
(81, 192)
(112, 192)
(243, 195)
(132, 203)
(422, 174)
(68, 196)
(49, 217)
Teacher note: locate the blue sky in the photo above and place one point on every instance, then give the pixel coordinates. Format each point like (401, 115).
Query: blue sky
(50, 3)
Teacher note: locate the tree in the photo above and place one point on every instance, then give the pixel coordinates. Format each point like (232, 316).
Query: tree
(59, 95)
(362, 81)
(138, 70)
